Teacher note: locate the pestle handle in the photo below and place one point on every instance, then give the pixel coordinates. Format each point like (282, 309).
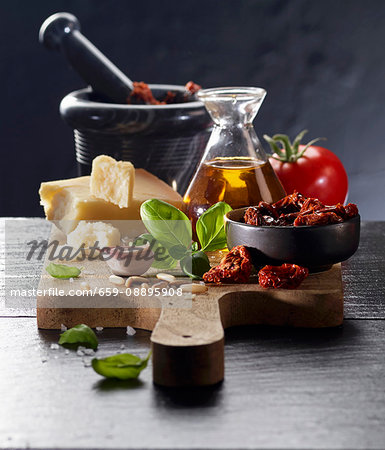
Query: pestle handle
(61, 32)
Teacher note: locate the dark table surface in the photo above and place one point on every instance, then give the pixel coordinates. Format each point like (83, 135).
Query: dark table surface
(284, 388)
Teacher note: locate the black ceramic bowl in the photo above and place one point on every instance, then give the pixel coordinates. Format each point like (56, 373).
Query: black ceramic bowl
(314, 247)
(167, 140)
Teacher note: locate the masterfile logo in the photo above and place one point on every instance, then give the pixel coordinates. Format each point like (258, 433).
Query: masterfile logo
(137, 273)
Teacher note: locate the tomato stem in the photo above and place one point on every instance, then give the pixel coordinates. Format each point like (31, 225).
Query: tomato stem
(285, 151)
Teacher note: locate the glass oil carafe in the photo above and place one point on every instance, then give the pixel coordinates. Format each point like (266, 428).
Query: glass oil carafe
(234, 167)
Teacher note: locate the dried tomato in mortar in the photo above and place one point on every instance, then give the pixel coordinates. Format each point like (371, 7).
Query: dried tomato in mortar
(192, 88)
(235, 267)
(286, 276)
(142, 94)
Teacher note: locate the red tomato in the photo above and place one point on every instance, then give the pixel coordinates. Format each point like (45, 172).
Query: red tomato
(318, 173)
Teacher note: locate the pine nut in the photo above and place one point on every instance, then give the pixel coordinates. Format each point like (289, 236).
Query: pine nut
(132, 280)
(165, 277)
(160, 285)
(194, 288)
(114, 279)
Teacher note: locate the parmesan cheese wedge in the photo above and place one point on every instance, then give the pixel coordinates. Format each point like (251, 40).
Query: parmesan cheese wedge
(66, 202)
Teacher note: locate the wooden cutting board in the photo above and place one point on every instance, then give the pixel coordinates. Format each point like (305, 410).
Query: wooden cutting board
(188, 339)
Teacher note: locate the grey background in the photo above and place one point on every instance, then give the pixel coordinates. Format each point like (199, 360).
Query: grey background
(321, 61)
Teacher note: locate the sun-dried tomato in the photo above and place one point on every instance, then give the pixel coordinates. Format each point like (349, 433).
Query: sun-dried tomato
(263, 214)
(192, 87)
(169, 98)
(289, 204)
(287, 219)
(235, 267)
(317, 218)
(143, 94)
(351, 210)
(287, 276)
(297, 210)
(267, 209)
(310, 205)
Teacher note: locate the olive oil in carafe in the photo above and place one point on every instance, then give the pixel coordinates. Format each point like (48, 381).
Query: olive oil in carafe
(238, 181)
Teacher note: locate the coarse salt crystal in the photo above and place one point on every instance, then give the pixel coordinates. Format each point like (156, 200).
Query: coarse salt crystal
(89, 351)
(63, 327)
(99, 328)
(85, 285)
(54, 346)
(71, 280)
(130, 331)
(80, 351)
(44, 359)
(87, 362)
(66, 352)
(122, 346)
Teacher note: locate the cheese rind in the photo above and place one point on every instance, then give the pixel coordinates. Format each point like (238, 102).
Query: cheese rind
(112, 181)
(66, 202)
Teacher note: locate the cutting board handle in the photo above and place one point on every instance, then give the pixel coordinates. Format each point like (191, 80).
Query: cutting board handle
(188, 345)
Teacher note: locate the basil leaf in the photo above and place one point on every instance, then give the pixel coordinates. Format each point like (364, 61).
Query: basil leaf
(162, 258)
(79, 335)
(195, 265)
(166, 223)
(210, 227)
(62, 271)
(178, 252)
(124, 366)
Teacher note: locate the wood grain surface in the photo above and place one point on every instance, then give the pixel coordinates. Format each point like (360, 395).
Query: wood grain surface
(283, 388)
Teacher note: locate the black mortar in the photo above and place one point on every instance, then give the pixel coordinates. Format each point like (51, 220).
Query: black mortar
(167, 140)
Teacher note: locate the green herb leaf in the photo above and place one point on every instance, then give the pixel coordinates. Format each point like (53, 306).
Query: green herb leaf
(79, 335)
(166, 223)
(210, 227)
(162, 258)
(124, 366)
(195, 265)
(62, 271)
(178, 252)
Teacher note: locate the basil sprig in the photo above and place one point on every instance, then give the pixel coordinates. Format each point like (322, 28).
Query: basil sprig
(79, 335)
(62, 271)
(171, 230)
(123, 366)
